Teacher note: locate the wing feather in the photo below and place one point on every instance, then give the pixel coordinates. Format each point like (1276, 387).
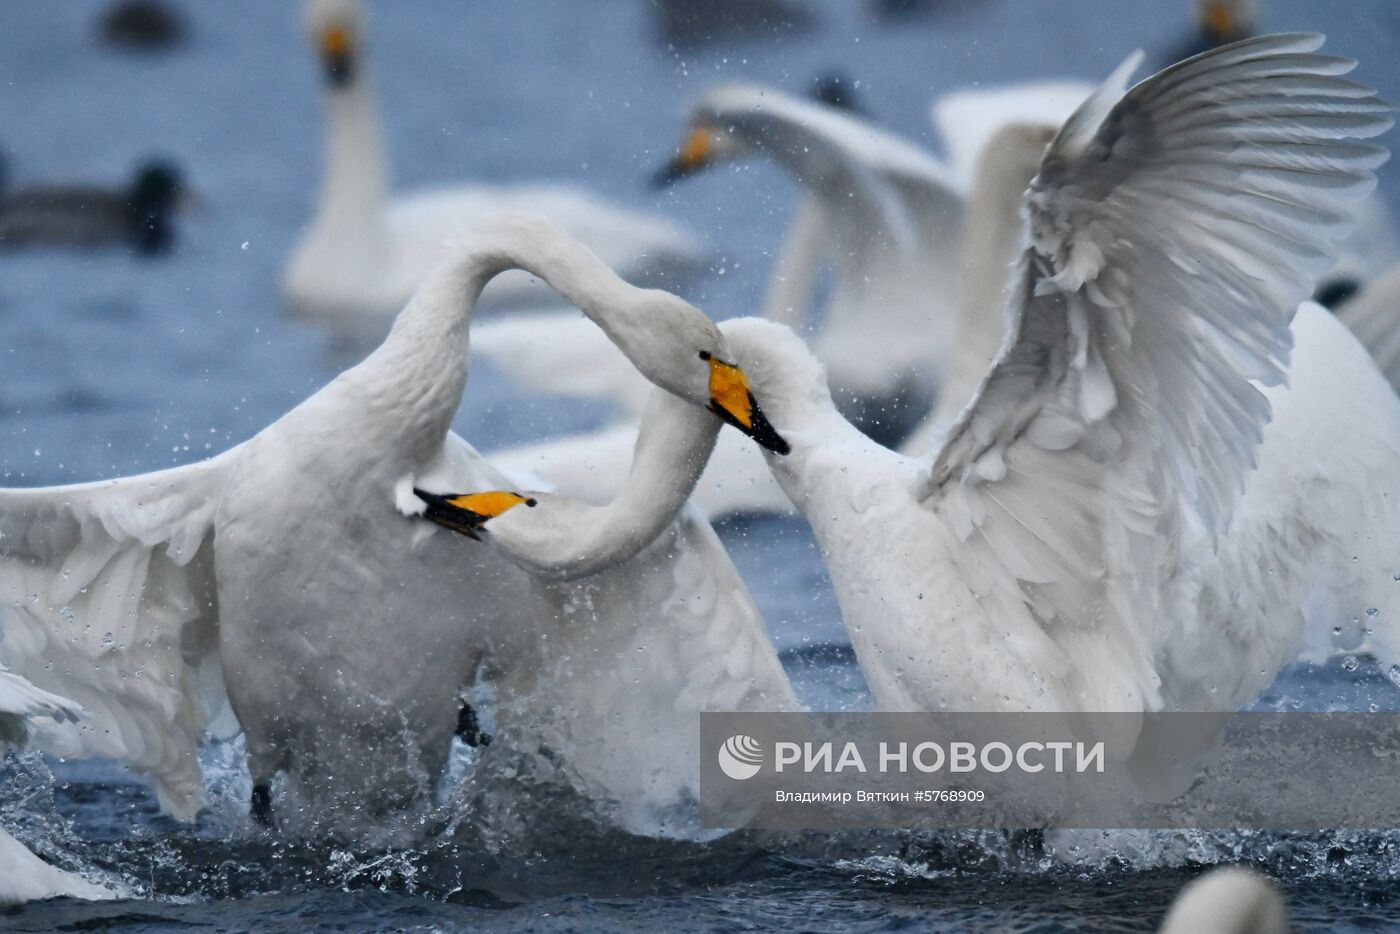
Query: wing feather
(1175, 228)
(107, 596)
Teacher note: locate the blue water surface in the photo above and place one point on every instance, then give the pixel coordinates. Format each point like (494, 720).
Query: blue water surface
(112, 364)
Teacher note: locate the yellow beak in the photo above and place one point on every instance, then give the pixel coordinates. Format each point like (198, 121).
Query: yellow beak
(468, 512)
(693, 156)
(733, 401)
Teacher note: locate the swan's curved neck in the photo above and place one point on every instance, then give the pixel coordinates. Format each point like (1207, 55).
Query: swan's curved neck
(994, 236)
(355, 183)
(795, 273)
(424, 358)
(566, 539)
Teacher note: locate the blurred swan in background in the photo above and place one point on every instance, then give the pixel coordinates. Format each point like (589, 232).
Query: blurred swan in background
(1373, 316)
(1094, 533)
(286, 572)
(139, 216)
(365, 252)
(1228, 900)
(891, 221)
(25, 877)
(1009, 126)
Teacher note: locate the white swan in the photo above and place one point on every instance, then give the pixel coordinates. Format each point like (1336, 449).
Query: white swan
(1009, 125)
(24, 877)
(1091, 535)
(1228, 900)
(342, 627)
(364, 253)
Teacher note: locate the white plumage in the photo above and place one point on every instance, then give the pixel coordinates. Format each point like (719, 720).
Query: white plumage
(343, 625)
(1094, 533)
(952, 288)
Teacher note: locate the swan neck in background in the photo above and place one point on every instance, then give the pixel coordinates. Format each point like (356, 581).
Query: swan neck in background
(355, 183)
(994, 236)
(794, 277)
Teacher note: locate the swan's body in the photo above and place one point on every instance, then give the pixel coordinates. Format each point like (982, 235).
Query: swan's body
(365, 252)
(345, 628)
(704, 632)
(25, 877)
(1092, 535)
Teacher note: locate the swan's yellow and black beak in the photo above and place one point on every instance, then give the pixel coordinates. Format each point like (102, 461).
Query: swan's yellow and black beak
(733, 401)
(338, 55)
(468, 512)
(692, 157)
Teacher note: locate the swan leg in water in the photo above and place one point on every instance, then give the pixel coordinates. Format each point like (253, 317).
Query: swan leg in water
(292, 578)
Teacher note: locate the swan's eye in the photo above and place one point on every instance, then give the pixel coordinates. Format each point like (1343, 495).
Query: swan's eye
(705, 355)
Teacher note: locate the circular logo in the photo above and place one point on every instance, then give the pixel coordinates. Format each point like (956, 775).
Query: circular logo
(740, 757)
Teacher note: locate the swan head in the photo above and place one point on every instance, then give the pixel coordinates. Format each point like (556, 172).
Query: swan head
(334, 27)
(706, 143)
(784, 371)
(675, 346)
(1224, 21)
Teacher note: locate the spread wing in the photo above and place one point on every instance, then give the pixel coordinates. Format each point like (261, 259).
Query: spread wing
(21, 701)
(107, 596)
(1175, 229)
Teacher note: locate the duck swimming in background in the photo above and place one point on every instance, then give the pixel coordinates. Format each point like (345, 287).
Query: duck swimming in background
(139, 217)
(25, 877)
(365, 250)
(293, 573)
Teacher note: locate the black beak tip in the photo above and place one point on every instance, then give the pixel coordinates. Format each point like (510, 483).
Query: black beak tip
(763, 431)
(340, 69)
(666, 176)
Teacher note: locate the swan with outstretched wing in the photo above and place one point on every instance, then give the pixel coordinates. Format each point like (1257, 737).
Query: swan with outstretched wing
(1160, 482)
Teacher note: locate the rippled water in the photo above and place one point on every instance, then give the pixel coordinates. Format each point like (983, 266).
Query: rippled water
(110, 365)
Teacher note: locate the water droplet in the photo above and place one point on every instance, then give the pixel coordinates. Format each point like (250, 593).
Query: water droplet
(1350, 663)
